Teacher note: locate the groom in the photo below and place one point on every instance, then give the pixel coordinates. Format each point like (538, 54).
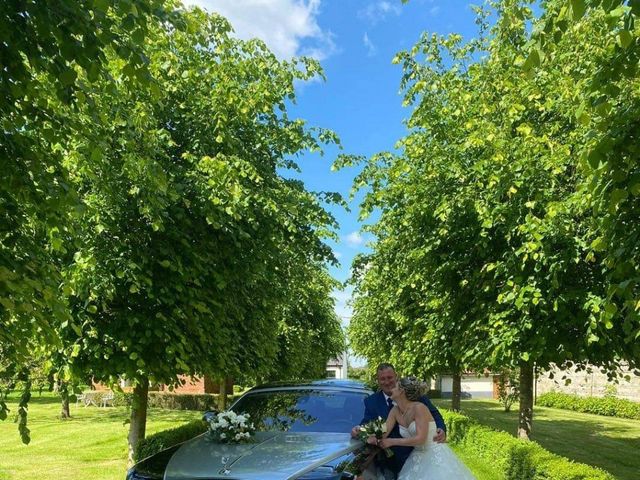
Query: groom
(379, 405)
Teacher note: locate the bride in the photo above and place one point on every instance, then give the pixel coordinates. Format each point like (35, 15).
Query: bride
(428, 460)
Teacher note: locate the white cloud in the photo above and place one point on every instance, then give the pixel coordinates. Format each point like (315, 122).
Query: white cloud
(378, 11)
(354, 239)
(434, 10)
(371, 48)
(288, 27)
(338, 255)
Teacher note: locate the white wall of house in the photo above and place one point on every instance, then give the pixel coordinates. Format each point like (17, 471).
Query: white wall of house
(588, 384)
(471, 386)
(337, 367)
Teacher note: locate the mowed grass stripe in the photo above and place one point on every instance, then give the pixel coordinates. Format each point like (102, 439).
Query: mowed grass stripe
(92, 445)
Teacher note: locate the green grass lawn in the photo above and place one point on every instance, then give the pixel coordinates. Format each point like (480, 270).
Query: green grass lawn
(90, 446)
(612, 444)
(93, 444)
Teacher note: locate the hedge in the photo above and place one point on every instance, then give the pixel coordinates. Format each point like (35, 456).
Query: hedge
(608, 406)
(168, 438)
(166, 400)
(515, 459)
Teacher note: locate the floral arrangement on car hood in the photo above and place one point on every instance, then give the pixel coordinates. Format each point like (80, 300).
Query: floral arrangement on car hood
(229, 427)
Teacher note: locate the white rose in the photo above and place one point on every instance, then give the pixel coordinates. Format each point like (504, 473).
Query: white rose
(223, 435)
(237, 437)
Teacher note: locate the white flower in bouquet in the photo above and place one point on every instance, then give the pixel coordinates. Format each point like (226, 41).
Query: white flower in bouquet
(376, 428)
(229, 427)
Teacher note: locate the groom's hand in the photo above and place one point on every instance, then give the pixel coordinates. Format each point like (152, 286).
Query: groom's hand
(354, 431)
(441, 436)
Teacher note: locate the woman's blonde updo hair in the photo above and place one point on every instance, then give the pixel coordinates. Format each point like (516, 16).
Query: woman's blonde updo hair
(413, 388)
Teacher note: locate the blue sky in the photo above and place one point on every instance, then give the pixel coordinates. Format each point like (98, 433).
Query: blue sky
(355, 41)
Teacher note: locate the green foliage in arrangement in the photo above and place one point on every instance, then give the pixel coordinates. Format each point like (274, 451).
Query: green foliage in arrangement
(514, 459)
(169, 438)
(609, 406)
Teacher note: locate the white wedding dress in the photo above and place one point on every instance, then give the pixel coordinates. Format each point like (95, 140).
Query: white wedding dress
(432, 461)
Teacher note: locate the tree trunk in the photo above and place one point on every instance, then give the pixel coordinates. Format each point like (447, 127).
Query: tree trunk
(63, 389)
(455, 392)
(138, 423)
(222, 398)
(64, 411)
(525, 418)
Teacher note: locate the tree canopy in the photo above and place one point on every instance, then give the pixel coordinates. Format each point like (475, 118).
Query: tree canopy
(491, 248)
(158, 224)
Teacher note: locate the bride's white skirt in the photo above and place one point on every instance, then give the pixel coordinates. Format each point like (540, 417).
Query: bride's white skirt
(435, 462)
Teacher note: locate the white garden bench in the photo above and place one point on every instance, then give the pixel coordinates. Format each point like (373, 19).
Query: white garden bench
(107, 399)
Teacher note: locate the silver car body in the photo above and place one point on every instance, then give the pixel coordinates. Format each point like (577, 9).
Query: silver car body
(273, 455)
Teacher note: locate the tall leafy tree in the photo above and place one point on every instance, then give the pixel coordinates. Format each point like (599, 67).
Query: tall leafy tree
(190, 241)
(483, 210)
(43, 48)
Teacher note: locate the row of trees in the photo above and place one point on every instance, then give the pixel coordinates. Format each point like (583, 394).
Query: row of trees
(146, 228)
(508, 227)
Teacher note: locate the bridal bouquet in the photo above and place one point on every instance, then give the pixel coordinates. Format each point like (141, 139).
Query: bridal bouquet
(377, 428)
(229, 427)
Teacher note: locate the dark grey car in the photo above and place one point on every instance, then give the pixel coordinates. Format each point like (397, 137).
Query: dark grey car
(303, 433)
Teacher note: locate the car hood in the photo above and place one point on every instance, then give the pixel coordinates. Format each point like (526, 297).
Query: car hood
(271, 456)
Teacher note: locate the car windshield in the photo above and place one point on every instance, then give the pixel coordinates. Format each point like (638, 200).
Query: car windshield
(303, 410)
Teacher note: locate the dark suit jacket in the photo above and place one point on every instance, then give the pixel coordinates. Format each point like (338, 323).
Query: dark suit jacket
(376, 406)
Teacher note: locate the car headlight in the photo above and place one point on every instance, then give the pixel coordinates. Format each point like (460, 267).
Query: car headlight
(153, 467)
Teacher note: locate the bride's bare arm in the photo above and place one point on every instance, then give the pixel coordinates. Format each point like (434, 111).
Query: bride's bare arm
(422, 419)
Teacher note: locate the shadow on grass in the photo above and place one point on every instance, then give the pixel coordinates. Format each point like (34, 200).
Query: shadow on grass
(45, 399)
(110, 414)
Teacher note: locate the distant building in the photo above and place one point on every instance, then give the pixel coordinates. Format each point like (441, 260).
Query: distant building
(337, 367)
(588, 384)
(472, 385)
(195, 385)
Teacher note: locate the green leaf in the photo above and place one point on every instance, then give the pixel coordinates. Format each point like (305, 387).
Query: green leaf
(625, 38)
(577, 9)
(68, 77)
(618, 195)
(599, 244)
(138, 36)
(532, 61)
